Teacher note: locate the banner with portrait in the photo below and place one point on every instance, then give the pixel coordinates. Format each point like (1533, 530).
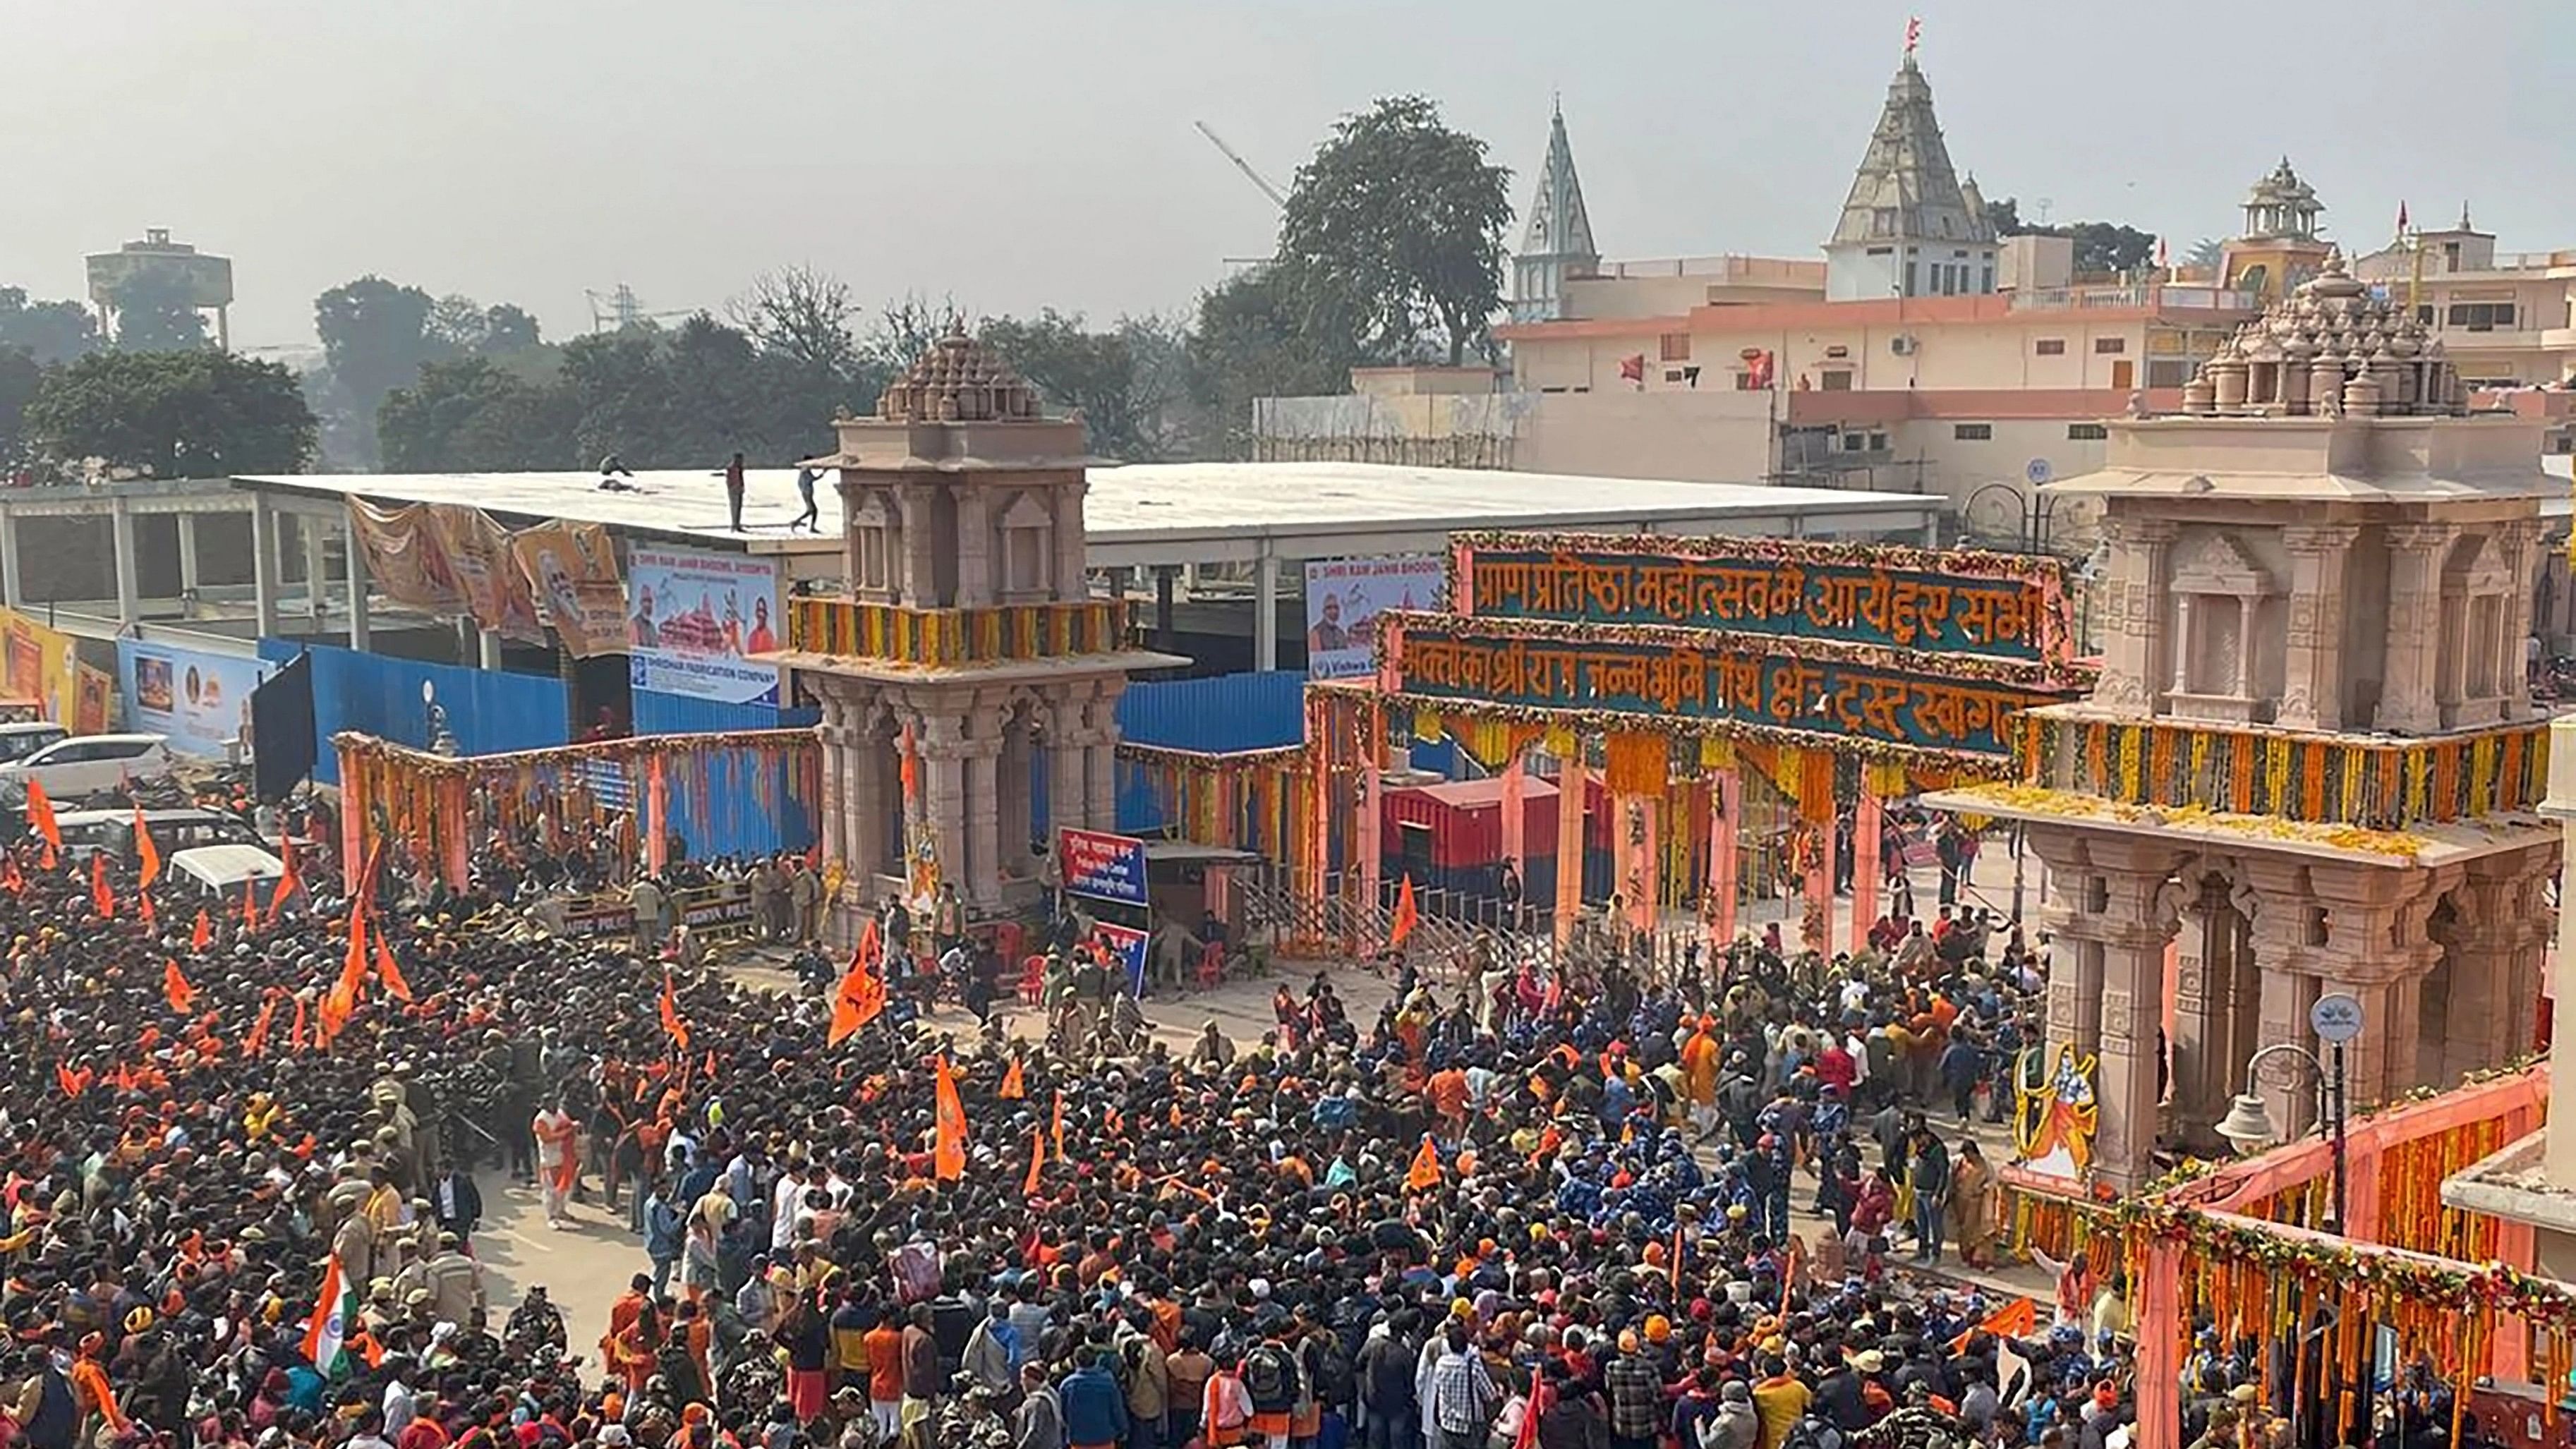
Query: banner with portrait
(486, 570)
(693, 618)
(406, 558)
(202, 701)
(1344, 596)
(570, 569)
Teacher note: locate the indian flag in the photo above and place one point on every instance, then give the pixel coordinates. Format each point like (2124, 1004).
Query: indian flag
(335, 1315)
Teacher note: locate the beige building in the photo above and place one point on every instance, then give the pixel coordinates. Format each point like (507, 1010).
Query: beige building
(1919, 353)
(2311, 759)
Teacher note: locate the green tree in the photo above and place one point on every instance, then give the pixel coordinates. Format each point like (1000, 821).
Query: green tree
(473, 415)
(1400, 219)
(1096, 374)
(2100, 246)
(196, 414)
(48, 332)
(1268, 332)
(19, 375)
(375, 335)
(154, 313)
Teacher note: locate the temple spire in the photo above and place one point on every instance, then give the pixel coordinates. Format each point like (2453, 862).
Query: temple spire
(1556, 241)
(1906, 199)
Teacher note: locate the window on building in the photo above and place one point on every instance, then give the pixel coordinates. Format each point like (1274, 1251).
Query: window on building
(873, 532)
(1986, 283)
(1972, 432)
(2049, 347)
(1855, 443)
(1028, 545)
(1834, 379)
(2482, 316)
(2424, 315)
(2175, 373)
(2110, 346)
(1676, 347)
(2086, 432)
(1878, 442)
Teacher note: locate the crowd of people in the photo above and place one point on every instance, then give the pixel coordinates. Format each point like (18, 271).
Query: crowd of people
(1512, 1209)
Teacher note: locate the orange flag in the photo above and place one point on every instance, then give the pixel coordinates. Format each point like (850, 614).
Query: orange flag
(1406, 917)
(256, 1044)
(671, 1022)
(151, 852)
(389, 972)
(287, 879)
(1015, 1084)
(40, 815)
(204, 934)
(860, 995)
(99, 894)
(948, 1151)
(10, 880)
(73, 1083)
(1059, 1124)
(143, 907)
(250, 905)
(1425, 1171)
(175, 988)
(2017, 1319)
(1037, 1162)
(295, 1033)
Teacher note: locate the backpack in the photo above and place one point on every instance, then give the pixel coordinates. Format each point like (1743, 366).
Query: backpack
(1269, 1377)
(1335, 1381)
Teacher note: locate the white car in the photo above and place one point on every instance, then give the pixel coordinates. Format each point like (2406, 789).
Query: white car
(75, 769)
(219, 870)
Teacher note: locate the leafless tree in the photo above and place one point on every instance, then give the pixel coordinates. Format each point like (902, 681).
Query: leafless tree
(802, 314)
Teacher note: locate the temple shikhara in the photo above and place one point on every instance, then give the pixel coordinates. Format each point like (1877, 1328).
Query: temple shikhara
(2310, 758)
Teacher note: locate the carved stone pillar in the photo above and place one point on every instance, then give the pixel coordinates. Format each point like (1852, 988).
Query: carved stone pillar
(2313, 675)
(916, 572)
(1100, 774)
(1070, 585)
(2517, 541)
(2407, 700)
(2137, 650)
(943, 787)
(983, 885)
(2211, 995)
(2133, 927)
(1066, 763)
(978, 582)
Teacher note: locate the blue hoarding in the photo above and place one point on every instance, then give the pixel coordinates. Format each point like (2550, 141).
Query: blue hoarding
(200, 700)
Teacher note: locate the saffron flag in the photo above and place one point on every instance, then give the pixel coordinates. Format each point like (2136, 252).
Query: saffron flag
(295, 1032)
(256, 1044)
(948, 1151)
(40, 816)
(2017, 1319)
(1425, 1171)
(335, 1318)
(151, 853)
(287, 880)
(671, 1023)
(389, 972)
(175, 988)
(143, 907)
(860, 995)
(100, 895)
(1059, 1124)
(1632, 368)
(10, 879)
(250, 905)
(1406, 917)
(73, 1083)
(1037, 1162)
(1015, 1083)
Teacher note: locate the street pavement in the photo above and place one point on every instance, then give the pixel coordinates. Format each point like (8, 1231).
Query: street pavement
(585, 1267)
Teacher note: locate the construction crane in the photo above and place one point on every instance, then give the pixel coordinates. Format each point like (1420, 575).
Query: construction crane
(620, 309)
(1256, 178)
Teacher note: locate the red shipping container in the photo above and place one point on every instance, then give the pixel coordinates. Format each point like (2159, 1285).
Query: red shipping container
(1465, 821)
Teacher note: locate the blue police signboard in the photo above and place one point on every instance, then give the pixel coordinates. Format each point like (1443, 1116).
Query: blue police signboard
(1099, 866)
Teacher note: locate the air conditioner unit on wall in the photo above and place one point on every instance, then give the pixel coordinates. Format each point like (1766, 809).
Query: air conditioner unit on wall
(1901, 345)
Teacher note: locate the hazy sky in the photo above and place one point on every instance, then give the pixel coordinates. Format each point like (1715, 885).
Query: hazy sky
(1020, 154)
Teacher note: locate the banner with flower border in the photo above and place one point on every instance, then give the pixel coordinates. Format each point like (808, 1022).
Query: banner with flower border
(1955, 602)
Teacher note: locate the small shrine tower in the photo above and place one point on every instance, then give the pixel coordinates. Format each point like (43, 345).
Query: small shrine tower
(2280, 247)
(968, 680)
(1908, 228)
(2311, 761)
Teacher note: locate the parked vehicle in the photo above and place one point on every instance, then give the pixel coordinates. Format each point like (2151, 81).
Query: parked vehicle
(219, 870)
(85, 831)
(20, 738)
(72, 770)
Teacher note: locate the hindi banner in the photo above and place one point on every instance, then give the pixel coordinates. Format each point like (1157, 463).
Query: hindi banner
(1960, 602)
(1733, 682)
(570, 569)
(1101, 866)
